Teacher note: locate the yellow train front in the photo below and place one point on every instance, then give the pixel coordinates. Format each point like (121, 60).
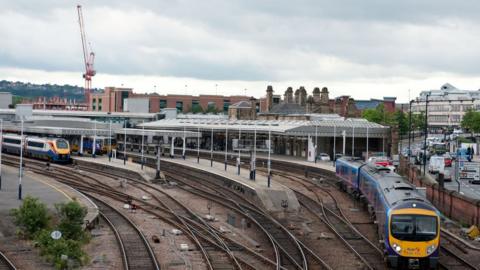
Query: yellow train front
(408, 224)
(413, 236)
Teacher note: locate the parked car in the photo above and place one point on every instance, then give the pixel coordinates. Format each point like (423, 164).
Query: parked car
(323, 157)
(448, 160)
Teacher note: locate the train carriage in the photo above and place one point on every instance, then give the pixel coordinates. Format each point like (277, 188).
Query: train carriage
(51, 149)
(408, 224)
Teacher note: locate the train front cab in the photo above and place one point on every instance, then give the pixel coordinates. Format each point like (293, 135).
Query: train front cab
(61, 149)
(413, 238)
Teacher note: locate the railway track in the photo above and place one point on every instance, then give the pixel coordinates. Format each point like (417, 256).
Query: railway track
(5, 263)
(208, 240)
(135, 249)
(456, 255)
(332, 215)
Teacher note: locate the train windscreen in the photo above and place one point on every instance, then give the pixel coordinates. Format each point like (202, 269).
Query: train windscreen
(61, 144)
(414, 227)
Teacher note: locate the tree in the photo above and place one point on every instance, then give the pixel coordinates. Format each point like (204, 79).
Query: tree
(211, 108)
(31, 217)
(401, 121)
(71, 215)
(471, 121)
(379, 115)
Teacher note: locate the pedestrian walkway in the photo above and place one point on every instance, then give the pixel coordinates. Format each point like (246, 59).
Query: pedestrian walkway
(46, 189)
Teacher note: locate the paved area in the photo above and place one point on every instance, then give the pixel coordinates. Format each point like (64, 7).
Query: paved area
(46, 189)
(271, 197)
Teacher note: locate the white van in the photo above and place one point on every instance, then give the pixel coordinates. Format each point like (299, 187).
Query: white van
(436, 164)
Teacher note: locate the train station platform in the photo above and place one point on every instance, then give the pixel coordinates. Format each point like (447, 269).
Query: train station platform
(272, 197)
(46, 189)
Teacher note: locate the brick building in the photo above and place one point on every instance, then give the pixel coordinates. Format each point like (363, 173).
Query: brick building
(113, 100)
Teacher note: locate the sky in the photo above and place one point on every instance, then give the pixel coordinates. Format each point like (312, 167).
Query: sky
(365, 49)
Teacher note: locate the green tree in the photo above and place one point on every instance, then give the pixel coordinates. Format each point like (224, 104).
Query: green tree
(53, 250)
(211, 108)
(401, 121)
(72, 215)
(31, 217)
(379, 115)
(471, 121)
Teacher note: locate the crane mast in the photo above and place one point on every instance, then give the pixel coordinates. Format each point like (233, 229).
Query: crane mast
(88, 58)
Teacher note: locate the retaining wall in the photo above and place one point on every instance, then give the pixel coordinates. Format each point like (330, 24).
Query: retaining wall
(451, 203)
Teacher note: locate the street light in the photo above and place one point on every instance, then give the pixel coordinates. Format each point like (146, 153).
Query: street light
(1, 142)
(211, 149)
(94, 148)
(316, 142)
(21, 163)
(269, 150)
(410, 139)
(425, 139)
(125, 143)
(198, 145)
(143, 138)
(238, 145)
(226, 146)
(110, 141)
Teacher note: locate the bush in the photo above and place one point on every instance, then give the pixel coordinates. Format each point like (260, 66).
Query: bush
(31, 217)
(53, 250)
(71, 215)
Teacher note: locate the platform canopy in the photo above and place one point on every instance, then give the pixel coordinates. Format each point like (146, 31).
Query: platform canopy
(158, 132)
(325, 128)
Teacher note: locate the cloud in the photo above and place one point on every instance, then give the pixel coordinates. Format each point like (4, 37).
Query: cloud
(248, 41)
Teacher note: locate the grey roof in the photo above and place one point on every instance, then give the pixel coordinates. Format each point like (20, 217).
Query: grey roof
(242, 104)
(323, 127)
(287, 108)
(395, 189)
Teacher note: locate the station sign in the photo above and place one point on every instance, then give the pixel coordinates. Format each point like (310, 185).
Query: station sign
(469, 171)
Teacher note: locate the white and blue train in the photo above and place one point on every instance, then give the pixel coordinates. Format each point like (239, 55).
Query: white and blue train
(50, 149)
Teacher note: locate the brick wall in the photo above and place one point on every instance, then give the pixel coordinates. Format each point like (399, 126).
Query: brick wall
(451, 203)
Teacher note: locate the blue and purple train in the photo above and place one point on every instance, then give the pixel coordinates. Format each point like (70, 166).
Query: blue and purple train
(408, 224)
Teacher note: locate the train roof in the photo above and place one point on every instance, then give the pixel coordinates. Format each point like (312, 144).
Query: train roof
(352, 161)
(394, 187)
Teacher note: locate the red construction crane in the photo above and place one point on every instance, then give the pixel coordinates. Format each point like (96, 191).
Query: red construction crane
(88, 57)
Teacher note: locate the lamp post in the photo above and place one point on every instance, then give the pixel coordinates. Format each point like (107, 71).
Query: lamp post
(20, 168)
(226, 147)
(334, 158)
(366, 155)
(1, 142)
(198, 145)
(353, 141)
(410, 130)
(426, 133)
(143, 138)
(211, 149)
(110, 141)
(238, 159)
(254, 160)
(269, 161)
(94, 148)
(184, 149)
(316, 142)
(125, 143)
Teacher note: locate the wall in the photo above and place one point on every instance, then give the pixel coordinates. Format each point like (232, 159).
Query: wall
(5, 100)
(451, 203)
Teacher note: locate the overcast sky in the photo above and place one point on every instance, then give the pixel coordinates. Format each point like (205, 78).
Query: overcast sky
(366, 49)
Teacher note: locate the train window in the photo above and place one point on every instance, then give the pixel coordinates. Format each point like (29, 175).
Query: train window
(12, 141)
(35, 144)
(414, 227)
(61, 144)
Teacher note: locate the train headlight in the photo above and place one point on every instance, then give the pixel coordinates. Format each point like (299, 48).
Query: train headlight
(431, 249)
(397, 248)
